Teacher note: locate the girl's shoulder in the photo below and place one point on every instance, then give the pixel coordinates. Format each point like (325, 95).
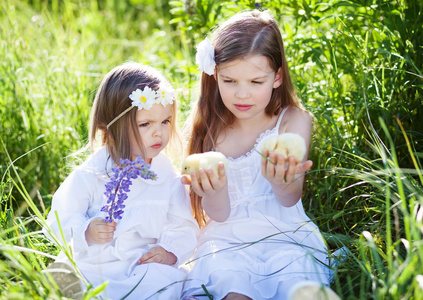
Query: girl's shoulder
(98, 162)
(295, 117)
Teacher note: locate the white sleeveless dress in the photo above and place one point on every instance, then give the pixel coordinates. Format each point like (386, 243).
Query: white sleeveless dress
(262, 246)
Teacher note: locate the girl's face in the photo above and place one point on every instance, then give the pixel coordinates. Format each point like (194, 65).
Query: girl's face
(246, 85)
(154, 127)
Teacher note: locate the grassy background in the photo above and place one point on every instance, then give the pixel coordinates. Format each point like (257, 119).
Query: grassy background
(357, 66)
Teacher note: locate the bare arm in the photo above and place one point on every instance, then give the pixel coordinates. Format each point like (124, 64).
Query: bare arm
(214, 191)
(287, 183)
(286, 177)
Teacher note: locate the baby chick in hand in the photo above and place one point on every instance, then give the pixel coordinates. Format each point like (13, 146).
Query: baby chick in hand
(206, 160)
(287, 144)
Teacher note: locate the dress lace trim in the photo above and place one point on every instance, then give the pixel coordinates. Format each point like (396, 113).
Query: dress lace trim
(258, 140)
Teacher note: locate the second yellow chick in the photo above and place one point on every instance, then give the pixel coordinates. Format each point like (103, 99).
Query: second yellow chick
(287, 144)
(206, 160)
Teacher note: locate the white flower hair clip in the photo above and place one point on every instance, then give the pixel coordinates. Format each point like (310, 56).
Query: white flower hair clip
(144, 99)
(205, 57)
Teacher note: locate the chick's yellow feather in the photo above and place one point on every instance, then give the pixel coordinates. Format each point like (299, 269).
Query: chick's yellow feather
(287, 144)
(206, 161)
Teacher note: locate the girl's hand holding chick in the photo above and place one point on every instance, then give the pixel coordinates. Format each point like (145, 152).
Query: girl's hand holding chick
(206, 172)
(282, 158)
(284, 170)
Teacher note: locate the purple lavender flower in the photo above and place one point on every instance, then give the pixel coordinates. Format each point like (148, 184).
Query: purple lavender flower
(120, 181)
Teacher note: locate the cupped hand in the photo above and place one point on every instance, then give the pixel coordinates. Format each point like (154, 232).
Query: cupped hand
(99, 232)
(186, 179)
(158, 255)
(280, 169)
(209, 183)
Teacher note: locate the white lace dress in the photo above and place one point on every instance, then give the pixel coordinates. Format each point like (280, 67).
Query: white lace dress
(262, 246)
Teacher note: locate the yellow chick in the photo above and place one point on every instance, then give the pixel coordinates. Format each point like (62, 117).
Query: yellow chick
(206, 160)
(287, 144)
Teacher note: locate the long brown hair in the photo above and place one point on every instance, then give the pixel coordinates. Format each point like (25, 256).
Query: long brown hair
(244, 34)
(112, 98)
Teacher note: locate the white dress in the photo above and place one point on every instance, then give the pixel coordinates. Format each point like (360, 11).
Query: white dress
(262, 244)
(157, 213)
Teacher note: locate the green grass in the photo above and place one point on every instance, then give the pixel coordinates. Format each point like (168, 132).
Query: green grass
(357, 66)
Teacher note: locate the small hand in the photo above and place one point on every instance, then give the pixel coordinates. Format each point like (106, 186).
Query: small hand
(284, 170)
(158, 255)
(99, 232)
(210, 183)
(186, 179)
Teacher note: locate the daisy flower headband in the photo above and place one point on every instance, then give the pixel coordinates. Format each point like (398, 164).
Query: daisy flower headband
(144, 99)
(205, 57)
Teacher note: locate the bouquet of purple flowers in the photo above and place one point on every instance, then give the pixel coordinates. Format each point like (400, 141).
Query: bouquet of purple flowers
(118, 187)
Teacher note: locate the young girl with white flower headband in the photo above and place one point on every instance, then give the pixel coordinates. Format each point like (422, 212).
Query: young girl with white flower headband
(256, 241)
(138, 249)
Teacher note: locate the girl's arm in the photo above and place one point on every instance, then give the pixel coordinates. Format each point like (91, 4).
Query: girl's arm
(214, 191)
(286, 177)
(70, 203)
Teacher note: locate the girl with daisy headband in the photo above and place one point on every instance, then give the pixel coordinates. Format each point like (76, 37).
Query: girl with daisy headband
(257, 242)
(124, 209)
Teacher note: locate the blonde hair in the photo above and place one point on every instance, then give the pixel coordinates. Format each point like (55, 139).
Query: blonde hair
(247, 33)
(112, 98)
